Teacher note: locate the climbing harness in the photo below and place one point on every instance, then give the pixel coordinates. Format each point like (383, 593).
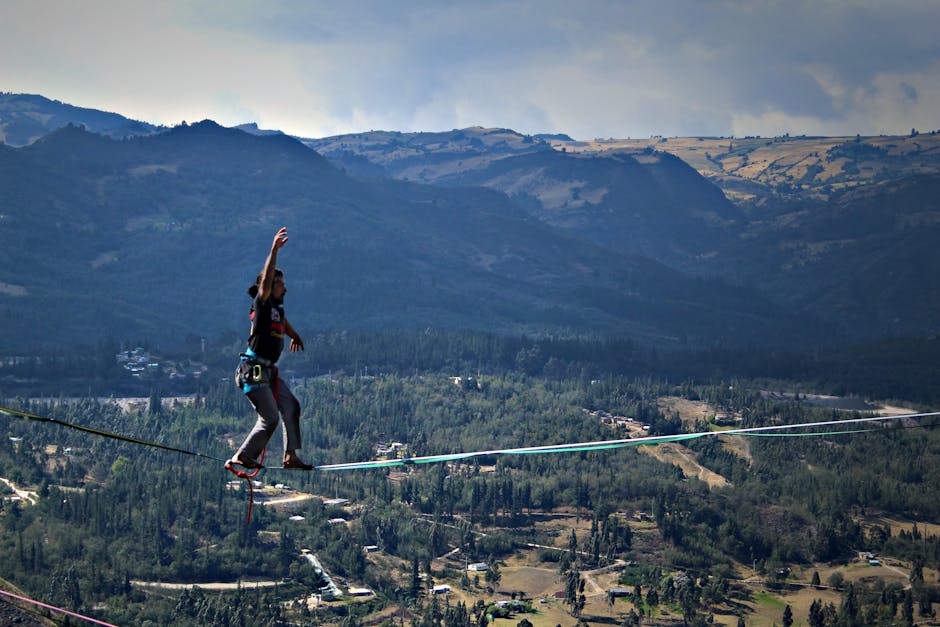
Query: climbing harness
(255, 372)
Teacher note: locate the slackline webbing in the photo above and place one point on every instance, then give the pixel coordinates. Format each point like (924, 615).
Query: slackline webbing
(612, 444)
(528, 450)
(55, 609)
(16, 413)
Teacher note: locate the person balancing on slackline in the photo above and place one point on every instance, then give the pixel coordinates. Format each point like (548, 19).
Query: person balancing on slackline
(257, 373)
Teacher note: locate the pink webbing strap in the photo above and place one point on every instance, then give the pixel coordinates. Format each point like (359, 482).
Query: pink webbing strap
(241, 474)
(55, 609)
(248, 476)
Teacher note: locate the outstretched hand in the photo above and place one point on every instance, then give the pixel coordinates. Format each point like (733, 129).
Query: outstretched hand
(280, 238)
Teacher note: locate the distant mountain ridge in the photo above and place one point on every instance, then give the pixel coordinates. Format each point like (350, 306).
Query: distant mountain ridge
(748, 169)
(479, 228)
(619, 201)
(159, 235)
(815, 223)
(24, 118)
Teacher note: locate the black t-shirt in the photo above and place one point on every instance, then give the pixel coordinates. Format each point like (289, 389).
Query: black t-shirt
(267, 329)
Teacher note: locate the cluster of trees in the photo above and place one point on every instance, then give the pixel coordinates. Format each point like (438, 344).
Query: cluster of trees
(873, 603)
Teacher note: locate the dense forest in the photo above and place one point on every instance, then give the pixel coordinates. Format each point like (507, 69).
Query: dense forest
(904, 368)
(109, 514)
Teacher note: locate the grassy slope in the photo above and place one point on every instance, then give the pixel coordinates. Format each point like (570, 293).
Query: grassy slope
(744, 166)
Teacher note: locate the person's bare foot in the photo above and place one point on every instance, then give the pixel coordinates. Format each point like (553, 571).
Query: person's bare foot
(292, 461)
(237, 460)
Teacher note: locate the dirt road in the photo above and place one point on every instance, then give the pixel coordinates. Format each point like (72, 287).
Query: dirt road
(26, 495)
(206, 586)
(285, 500)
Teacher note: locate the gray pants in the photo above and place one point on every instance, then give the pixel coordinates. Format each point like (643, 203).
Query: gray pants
(269, 408)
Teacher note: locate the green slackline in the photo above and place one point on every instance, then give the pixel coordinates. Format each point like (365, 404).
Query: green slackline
(769, 431)
(613, 444)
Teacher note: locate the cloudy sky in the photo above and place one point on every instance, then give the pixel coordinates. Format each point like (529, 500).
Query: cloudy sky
(591, 68)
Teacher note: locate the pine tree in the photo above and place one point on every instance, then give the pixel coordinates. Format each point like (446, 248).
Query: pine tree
(907, 611)
(493, 575)
(815, 618)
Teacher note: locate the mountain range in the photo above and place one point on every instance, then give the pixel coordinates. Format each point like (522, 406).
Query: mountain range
(24, 118)
(122, 230)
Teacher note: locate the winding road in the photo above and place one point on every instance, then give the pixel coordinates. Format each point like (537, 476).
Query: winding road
(26, 495)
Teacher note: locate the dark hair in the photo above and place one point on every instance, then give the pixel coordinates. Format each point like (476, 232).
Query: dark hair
(253, 288)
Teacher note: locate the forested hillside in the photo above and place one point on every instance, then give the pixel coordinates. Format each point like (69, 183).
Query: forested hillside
(708, 242)
(24, 118)
(186, 216)
(109, 521)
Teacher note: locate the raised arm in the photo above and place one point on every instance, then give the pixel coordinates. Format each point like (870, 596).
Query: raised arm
(270, 264)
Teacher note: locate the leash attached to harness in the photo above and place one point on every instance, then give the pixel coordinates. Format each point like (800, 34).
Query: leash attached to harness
(248, 477)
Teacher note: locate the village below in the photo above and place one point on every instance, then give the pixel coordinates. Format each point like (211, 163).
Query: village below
(588, 538)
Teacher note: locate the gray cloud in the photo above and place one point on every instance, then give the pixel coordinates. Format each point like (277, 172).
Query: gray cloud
(593, 68)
